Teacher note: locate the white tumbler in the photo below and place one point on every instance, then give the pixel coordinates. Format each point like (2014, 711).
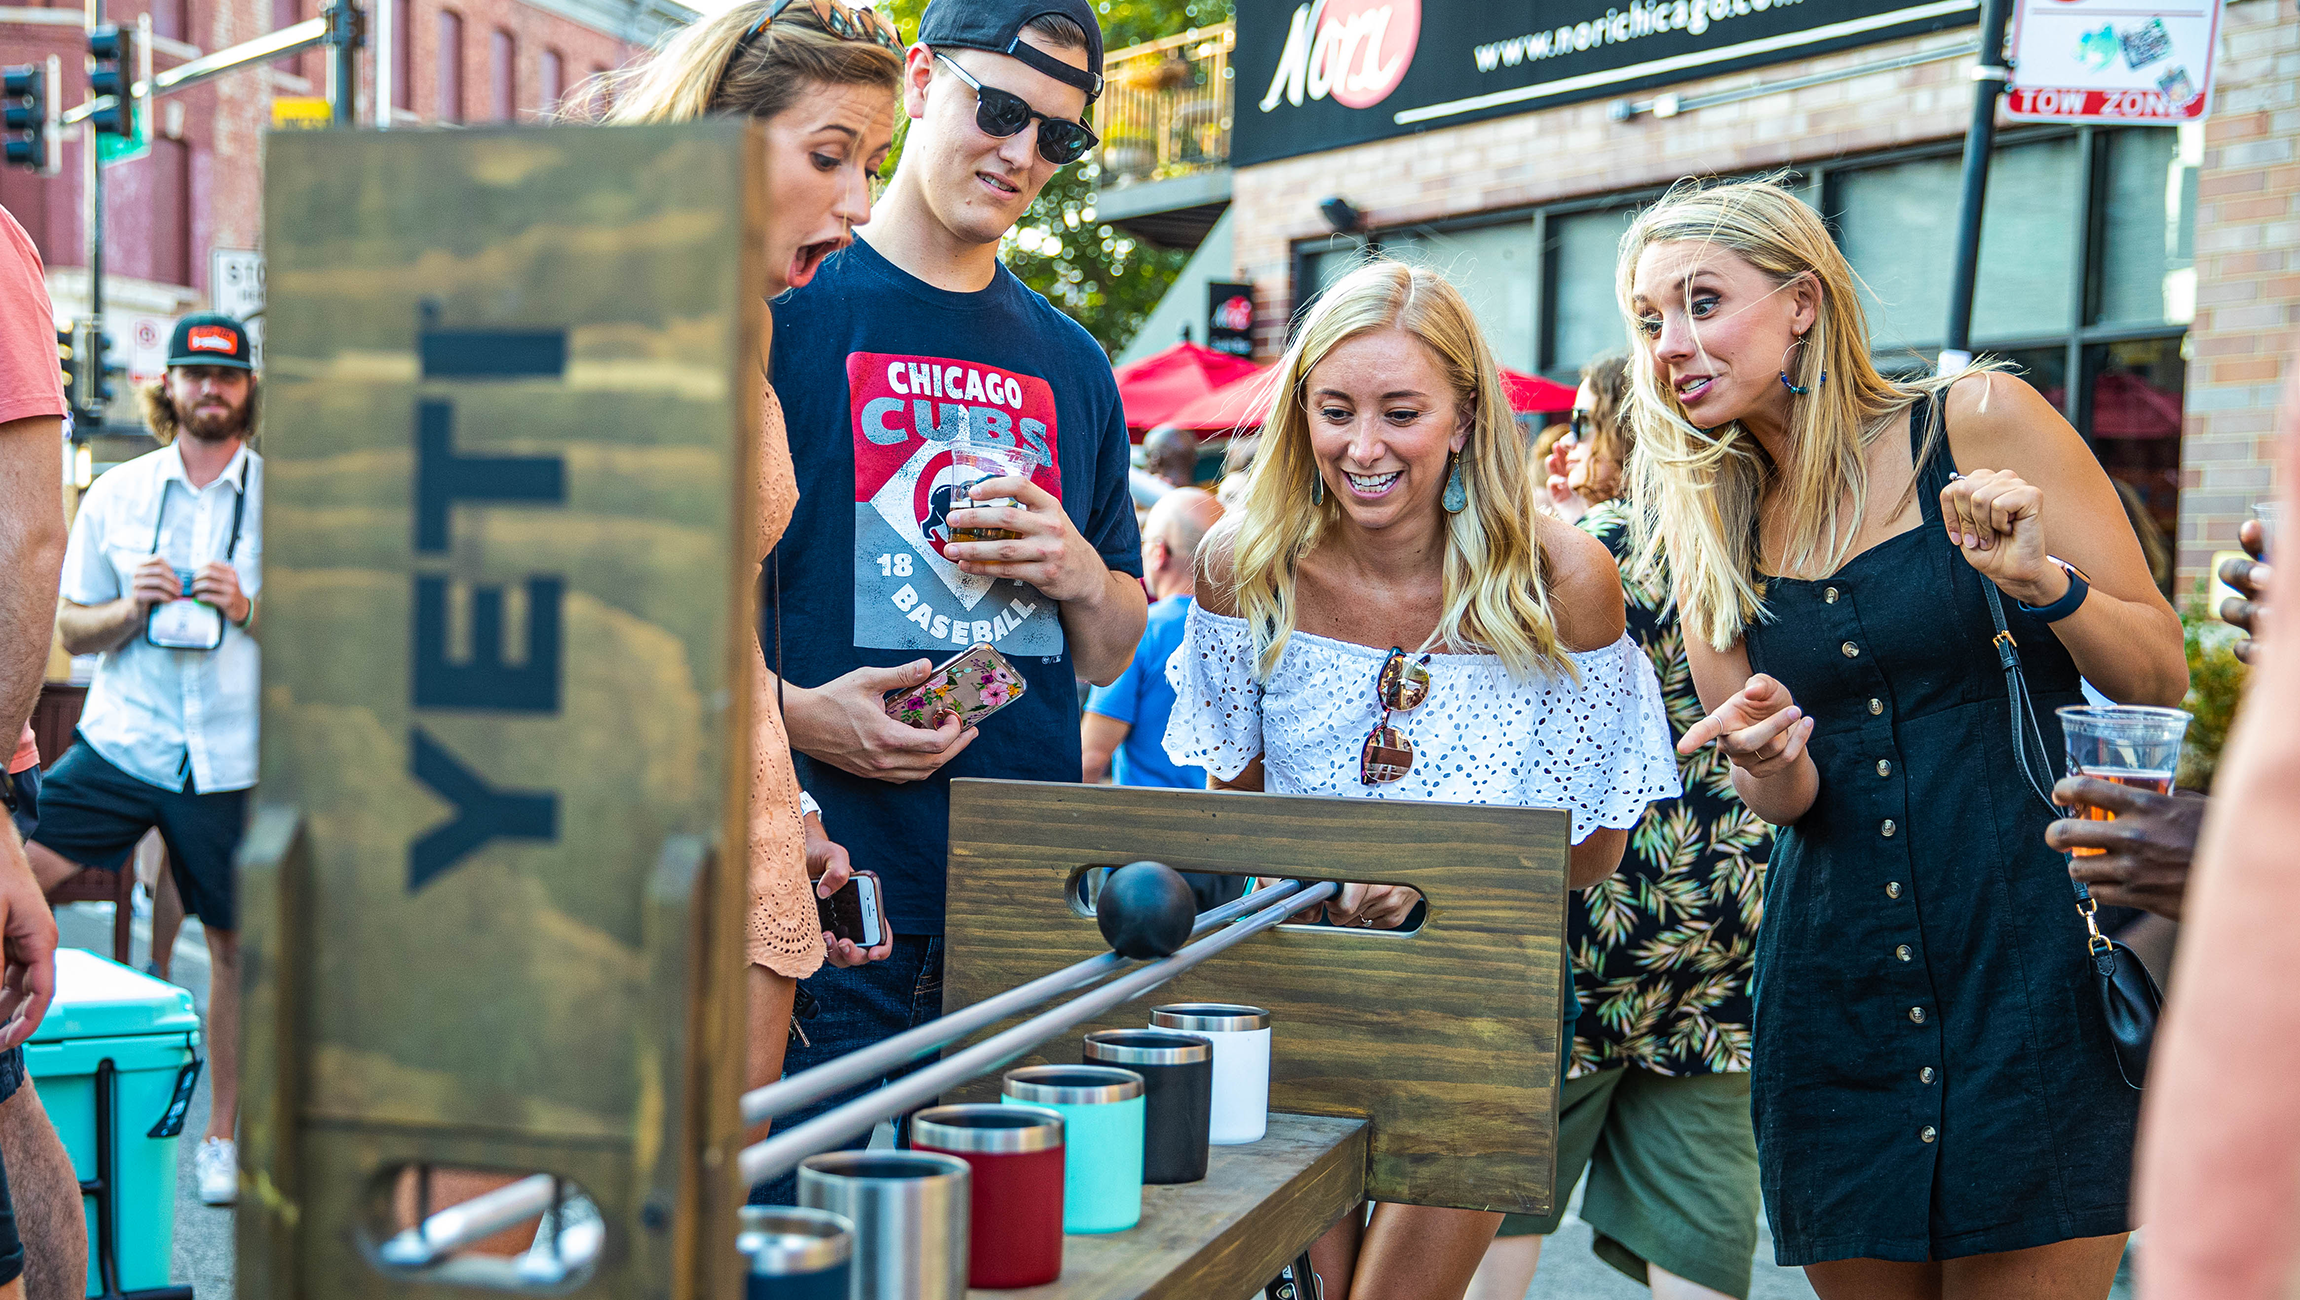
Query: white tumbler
(1241, 1038)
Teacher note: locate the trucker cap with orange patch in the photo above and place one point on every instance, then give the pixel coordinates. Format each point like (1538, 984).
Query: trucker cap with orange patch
(210, 339)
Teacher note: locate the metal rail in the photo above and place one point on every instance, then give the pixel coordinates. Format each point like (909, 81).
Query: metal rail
(481, 1217)
(785, 1150)
(472, 1221)
(1166, 107)
(786, 1095)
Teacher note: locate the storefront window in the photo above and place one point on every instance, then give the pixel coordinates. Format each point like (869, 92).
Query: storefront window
(2148, 227)
(2137, 392)
(1585, 315)
(2086, 279)
(2046, 369)
(1898, 223)
(1493, 266)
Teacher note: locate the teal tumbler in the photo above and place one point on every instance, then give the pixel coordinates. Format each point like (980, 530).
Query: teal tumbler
(1102, 1124)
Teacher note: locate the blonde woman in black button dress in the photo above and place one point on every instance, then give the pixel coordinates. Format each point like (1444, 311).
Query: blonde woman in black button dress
(1938, 1112)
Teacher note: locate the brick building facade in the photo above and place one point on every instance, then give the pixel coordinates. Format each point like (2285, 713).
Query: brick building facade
(201, 188)
(2164, 331)
(2248, 277)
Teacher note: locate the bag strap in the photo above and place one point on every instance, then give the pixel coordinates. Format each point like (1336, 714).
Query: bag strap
(1929, 443)
(2030, 753)
(2027, 736)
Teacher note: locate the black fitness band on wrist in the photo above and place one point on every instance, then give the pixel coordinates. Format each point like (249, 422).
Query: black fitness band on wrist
(2078, 589)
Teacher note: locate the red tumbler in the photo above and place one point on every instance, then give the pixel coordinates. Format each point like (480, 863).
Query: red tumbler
(1015, 1233)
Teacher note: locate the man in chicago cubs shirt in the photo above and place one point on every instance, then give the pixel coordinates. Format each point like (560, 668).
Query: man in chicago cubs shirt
(909, 339)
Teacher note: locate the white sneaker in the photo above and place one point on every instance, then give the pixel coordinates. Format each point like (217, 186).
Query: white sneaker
(216, 1167)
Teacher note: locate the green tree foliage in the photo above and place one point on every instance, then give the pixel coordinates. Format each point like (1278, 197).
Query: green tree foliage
(1102, 277)
(2216, 680)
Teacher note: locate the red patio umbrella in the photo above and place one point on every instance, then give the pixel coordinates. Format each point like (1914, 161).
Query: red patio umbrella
(1529, 394)
(1239, 404)
(2128, 406)
(1158, 385)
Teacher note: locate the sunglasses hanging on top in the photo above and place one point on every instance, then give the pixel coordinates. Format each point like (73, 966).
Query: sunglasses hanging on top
(1402, 684)
(847, 22)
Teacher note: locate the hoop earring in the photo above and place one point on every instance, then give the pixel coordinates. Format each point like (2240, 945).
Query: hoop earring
(1317, 487)
(1799, 390)
(1456, 498)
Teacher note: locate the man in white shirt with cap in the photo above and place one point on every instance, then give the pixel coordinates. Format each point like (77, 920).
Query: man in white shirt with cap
(160, 579)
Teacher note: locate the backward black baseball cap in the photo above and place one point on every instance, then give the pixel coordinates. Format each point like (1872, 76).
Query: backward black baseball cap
(210, 339)
(996, 26)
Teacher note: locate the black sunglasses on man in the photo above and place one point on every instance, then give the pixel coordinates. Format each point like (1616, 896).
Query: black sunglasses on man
(1003, 114)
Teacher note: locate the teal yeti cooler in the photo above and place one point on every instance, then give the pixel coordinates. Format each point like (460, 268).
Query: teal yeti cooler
(119, 1046)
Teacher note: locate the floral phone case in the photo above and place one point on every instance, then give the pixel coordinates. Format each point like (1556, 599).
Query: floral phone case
(973, 684)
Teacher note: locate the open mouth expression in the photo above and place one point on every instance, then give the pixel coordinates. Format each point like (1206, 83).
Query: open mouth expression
(810, 257)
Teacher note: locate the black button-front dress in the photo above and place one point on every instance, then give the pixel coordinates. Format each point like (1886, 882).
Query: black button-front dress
(1931, 1077)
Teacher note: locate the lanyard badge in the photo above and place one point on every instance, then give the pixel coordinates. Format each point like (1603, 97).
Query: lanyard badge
(186, 623)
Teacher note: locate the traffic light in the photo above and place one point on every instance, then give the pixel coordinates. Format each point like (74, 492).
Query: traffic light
(29, 95)
(90, 371)
(107, 369)
(67, 360)
(111, 64)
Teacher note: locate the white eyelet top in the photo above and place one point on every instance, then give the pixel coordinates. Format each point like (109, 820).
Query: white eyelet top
(1599, 748)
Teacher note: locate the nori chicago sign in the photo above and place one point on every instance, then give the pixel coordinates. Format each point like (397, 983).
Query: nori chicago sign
(1320, 74)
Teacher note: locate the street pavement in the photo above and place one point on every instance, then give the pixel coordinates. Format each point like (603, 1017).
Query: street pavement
(204, 1234)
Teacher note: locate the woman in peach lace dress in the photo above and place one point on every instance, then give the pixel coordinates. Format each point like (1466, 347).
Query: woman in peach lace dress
(822, 77)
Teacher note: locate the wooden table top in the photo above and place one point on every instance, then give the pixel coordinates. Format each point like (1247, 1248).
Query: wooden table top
(1223, 1237)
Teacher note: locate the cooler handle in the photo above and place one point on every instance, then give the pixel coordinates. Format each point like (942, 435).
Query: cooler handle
(171, 1120)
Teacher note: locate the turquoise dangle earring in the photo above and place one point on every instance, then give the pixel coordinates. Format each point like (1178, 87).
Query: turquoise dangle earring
(1797, 345)
(1456, 497)
(1317, 487)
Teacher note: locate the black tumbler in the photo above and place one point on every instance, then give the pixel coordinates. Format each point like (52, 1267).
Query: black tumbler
(1178, 1093)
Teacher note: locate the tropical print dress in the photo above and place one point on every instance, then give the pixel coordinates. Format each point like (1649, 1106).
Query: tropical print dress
(1662, 949)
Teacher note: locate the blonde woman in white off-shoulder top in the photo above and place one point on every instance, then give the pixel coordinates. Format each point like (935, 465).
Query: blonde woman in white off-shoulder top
(1391, 505)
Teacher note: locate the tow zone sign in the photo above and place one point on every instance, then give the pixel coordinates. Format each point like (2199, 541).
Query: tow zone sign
(2112, 60)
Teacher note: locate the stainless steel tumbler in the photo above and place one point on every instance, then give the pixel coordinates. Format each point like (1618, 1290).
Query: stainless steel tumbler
(909, 1210)
(1178, 1095)
(795, 1253)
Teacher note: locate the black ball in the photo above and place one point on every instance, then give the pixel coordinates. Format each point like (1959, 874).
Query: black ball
(1146, 910)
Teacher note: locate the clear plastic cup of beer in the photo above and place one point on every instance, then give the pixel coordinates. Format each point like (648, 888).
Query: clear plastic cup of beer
(2270, 514)
(980, 460)
(2129, 744)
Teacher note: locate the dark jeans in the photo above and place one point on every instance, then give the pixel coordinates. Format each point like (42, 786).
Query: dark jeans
(854, 1009)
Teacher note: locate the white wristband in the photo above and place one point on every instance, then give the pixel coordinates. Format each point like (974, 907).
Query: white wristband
(808, 807)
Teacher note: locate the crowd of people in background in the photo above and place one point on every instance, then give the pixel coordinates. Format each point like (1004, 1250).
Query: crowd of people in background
(1827, 959)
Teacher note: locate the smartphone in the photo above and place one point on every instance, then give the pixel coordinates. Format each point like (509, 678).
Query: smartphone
(974, 683)
(856, 911)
